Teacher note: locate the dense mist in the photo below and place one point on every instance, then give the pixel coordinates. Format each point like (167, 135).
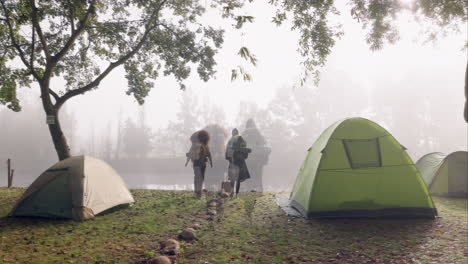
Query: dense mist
(425, 116)
(413, 90)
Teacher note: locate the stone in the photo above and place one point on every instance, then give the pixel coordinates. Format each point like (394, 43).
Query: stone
(187, 234)
(196, 226)
(170, 247)
(224, 194)
(204, 217)
(211, 212)
(190, 229)
(212, 204)
(160, 260)
(216, 200)
(173, 259)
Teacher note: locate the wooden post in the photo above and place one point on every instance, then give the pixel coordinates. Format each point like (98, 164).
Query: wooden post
(10, 173)
(11, 177)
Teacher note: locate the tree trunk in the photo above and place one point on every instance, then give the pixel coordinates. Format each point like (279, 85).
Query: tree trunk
(60, 142)
(466, 94)
(58, 138)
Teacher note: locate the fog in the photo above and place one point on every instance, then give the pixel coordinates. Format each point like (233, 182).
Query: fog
(413, 89)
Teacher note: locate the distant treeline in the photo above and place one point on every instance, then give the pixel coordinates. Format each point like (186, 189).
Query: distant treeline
(290, 123)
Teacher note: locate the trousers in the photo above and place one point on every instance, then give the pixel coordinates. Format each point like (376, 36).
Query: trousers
(199, 172)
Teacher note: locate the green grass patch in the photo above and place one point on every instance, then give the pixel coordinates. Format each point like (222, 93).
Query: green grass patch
(249, 229)
(114, 237)
(254, 230)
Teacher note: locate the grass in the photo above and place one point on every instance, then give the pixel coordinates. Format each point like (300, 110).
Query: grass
(265, 235)
(122, 236)
(249, 229)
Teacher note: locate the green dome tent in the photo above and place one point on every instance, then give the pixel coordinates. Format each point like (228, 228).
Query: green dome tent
(357, 169)
(445, 175)
(78, 187)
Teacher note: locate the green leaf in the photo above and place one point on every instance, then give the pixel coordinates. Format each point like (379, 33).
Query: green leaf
(245, 54)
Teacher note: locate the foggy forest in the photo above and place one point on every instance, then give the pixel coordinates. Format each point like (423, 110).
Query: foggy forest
(291, 121)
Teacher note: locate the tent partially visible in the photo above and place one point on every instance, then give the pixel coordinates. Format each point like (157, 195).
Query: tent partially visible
(445, 175)
(79, 188)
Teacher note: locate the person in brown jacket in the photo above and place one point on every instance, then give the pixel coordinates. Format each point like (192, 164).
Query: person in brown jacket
(199, 154)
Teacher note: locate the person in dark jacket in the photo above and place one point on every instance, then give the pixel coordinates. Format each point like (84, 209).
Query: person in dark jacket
(259, 156)
(236, 153)
(199, 154)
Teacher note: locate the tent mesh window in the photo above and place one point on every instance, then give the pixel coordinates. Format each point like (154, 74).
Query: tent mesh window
(363, 153)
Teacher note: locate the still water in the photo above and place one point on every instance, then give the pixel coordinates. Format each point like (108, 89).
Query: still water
(154, 181)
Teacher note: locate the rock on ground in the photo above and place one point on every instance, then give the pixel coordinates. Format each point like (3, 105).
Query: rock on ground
(224, 195)
(212, 204)
(196, 226)
(211, 212)
(170, 247)
(160, 260)
(215, 200)
(187, 234)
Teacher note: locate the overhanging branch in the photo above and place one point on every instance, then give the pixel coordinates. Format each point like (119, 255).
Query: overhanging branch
(75, 34)
(33, 43)
(72, 23)
(113, 65)
(38, 28)
(109, 68)
(15, 43)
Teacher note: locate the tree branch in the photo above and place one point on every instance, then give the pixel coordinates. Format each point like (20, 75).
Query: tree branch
(112, 65)
(170, 30)
(4, 54)
(15, 43)
(72, 24)
(75, 34)
(33, 43)
(39, 30)
(175, 34)
(54, 94)
(14, 47)
(98, 79)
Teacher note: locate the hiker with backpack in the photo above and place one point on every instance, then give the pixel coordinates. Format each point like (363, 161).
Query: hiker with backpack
(199, 154)
(236, 153)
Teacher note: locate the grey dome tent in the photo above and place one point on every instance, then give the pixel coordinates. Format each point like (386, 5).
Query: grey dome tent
(79, 188)
(444, 174)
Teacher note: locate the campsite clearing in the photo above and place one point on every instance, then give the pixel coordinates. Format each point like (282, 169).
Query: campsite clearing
(250, 229)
